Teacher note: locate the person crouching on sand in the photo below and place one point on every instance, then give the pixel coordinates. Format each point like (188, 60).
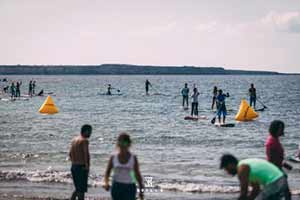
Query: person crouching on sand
(126, 172)
(267, 181)
(80, 158)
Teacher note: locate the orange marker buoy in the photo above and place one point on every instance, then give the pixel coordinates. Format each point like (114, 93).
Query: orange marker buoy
(48, 107)
(246, 113)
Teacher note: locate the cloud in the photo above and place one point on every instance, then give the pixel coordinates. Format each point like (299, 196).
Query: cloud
(154, 30)
(286, 22)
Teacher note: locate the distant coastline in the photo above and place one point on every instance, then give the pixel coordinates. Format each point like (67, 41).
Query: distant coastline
(122, 69)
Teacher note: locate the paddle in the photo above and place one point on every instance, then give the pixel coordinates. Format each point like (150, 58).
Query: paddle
(214, 119)
(261, 103)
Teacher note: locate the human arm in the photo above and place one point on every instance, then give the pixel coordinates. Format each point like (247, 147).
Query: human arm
(107, 173)
(287, 166)
(255, 191)
(86, 154)
(70, 154)
(139, 177)
(273, 155)
(243, 175)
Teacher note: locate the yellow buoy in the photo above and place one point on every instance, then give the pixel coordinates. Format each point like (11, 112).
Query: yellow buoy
(246, 112)
(48, 107)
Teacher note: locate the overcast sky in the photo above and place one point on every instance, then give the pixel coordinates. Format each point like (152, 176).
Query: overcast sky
(236, 34)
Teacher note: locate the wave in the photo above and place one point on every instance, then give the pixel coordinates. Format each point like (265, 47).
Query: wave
(53, 176)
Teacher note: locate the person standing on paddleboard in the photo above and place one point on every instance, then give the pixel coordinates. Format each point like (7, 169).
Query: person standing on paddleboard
(13, 90)
(194, 96)
(252, 94)
(221, 106)
(215, 94)
(185, 95)
(18, 90)
(109, 88)
(30, 89)
(147, 84)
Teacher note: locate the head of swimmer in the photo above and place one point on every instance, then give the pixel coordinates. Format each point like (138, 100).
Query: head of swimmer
(86, 131)
(229, 164)
(124, 142)
(276, 128)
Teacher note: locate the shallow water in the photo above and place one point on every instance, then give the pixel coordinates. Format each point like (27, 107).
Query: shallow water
(180, 155)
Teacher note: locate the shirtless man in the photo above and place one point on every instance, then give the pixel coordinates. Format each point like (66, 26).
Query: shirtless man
(80, 158)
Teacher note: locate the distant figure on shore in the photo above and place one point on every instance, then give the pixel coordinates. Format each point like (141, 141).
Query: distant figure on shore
(33, 87)
(80, 158)
(185, 95)
(147, 85)
(30, 89)
(256, 173)
(274, 149)
(18, 89)
(221, 106)
(126, 172)
(12, 90)
(195, 96)
(252, 94)
(215, 94)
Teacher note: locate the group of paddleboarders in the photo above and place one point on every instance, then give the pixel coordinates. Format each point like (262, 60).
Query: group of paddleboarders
(147, 87)
(218, 100)
(14, 89)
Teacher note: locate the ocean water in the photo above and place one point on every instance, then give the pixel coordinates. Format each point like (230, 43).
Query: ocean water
(181, 157)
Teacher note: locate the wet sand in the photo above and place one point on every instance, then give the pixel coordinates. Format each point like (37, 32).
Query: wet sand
(17, 190)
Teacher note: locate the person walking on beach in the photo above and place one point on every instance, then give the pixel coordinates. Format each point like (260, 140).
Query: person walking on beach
(30, 89)
(126, 172)
(185, 95)
(18, 90)
(215, 94)
(195, 102)
(252, 94)
(80, 158)
(274, 149)
(147, 85)
(256, 173)
(221, 106)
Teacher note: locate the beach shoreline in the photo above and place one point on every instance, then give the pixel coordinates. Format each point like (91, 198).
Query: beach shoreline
(25, 190)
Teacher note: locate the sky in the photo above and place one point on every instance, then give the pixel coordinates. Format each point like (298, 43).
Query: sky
(235, 34)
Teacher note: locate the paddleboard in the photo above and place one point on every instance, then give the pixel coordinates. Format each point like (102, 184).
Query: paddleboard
(225, 125)
(4, 99)
(194, 118)
(105, 94)
(294, 159)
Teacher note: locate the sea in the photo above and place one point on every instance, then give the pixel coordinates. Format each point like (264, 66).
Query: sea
(179, 159)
